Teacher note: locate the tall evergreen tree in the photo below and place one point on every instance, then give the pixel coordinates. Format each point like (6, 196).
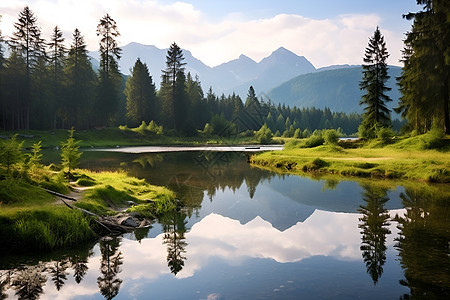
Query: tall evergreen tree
(425, 79)
(141, 95)
(107, 102)
(375, 75)
(198, 113)
(173, 89)
(57, 56)
(76, 109)
(27, 42)
(2, 96)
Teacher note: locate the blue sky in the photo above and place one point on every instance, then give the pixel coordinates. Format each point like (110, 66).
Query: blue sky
(324, 31)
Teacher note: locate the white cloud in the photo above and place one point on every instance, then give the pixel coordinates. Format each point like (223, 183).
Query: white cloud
(339, 40)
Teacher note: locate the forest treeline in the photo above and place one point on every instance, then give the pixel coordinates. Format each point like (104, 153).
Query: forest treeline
(44, 85)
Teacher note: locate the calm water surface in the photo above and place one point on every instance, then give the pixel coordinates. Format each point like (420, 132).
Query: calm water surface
(248, 233)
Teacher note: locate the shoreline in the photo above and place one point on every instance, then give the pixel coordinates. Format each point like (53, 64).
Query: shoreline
(427, 166)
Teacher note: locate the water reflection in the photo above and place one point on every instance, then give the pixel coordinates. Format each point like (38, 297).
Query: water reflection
(375, 227)
(58, 272)
(250, 233)
(174, 226)
(424, 245)
(111, 260)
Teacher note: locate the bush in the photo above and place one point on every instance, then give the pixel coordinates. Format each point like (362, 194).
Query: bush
(432, 139)
(264, 135)
(331, 137)
(385, 134)
(314, 141)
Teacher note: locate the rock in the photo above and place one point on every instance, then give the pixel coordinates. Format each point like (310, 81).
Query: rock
(134, 214)
(128, 221)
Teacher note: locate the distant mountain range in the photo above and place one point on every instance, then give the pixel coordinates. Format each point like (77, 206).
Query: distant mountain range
(282, 77)
(234, 76)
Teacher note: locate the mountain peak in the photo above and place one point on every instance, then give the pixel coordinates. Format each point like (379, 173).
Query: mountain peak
(282, 50)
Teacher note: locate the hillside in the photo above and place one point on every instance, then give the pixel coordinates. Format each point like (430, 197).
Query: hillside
(337, 89)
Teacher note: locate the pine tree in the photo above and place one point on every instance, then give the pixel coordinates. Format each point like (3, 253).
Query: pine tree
(173, 89)
(424, 82)
(27, 42)
(2, 96)
(375, 75)
(198, 114)
(77, 107)
(107, 102)
(70, 152)
(57, 58)
(141, 94)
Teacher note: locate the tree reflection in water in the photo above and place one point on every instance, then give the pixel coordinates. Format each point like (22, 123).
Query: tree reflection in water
(58, 272)
(424, 244)
(174, 226)
(28, 282)
(374, 225)
(111, 261)
(79, 263)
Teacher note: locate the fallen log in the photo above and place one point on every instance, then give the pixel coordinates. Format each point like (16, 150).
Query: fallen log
(112, 227)
(59, 195)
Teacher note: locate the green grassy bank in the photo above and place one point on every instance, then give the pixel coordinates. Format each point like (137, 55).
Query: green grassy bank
(115, 136)
(402, 158)
(32, 219)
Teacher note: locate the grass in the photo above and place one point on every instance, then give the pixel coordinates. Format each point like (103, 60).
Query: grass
(406, 158)
(114, 136)
(115, 190)
(30, 219)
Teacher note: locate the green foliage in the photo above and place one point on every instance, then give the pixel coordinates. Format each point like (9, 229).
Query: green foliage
(70, 153)
(375, 75)
(207, 131)
(264, 135)
(385, 135)
(109, 78)
(36, 155)
(331, 137)
(141, 94)
(298, 133)
(44, 229)
(314, 141)
(424, 82)
(11, 152)
(222, 127)
(432, 139)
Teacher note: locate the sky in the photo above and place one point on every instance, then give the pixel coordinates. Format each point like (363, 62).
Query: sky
(326, 32)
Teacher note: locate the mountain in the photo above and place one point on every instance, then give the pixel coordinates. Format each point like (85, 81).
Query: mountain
(233, 76)
(275, 69)
(337, 89)
(155, 59)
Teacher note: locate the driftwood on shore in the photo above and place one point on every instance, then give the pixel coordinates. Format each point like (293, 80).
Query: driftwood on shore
(107, 223)
(60, 195)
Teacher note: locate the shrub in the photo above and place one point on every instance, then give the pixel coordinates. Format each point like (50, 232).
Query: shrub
(432, 139)
(385, 134)
(331, 137)
(264, 135)
(314, 141)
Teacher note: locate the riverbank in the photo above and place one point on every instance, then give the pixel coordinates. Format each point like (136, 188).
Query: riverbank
(401, 159)
(119, 137)
(31, 218)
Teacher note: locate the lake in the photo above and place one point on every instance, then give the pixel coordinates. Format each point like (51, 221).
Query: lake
(248, 233)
